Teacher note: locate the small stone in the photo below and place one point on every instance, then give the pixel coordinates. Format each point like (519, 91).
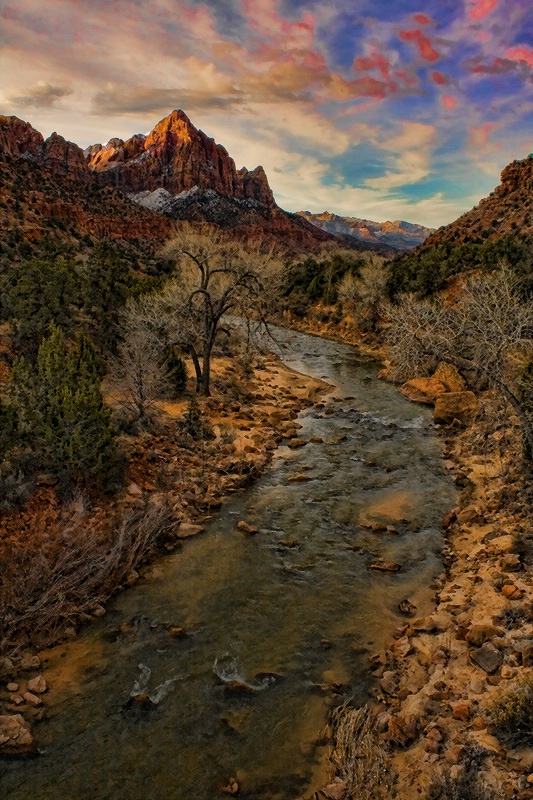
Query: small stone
(407, 608)
(454, 754)
(507, 672)
(98, 611)
(134, 490)
(231, 787)
(187, 529)
(32, 699)
(335, 791)
(385, 566)
(29, 661)
(512, 592)
(402, 647)
(12, 687)
(176, 632)
(245, 527)
(510, 562)
(37, 685)
(388, 682)
(16, 699)
(479, 634)
(487, 657)
(461, 710)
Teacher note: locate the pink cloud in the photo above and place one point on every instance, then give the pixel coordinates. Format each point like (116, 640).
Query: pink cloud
(423, 19)
(480, 8)
(374, 61)
(498, 66)
(361, 87)
(479, 136)
(521, 53)
(264, 19)
(425, 47)
(449, 102)
(439, 78)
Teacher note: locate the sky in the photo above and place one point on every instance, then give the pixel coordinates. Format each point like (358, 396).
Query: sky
(391, 109)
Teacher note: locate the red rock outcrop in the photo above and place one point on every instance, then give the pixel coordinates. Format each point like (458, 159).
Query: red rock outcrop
(176, 156)
(19, 138)
(508, 209)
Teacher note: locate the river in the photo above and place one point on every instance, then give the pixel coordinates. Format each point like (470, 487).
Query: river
(292, 613)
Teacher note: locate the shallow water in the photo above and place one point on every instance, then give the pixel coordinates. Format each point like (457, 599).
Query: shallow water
(282, 620)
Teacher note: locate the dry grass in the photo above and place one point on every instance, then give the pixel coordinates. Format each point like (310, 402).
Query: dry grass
(48, 581)
(359, 758)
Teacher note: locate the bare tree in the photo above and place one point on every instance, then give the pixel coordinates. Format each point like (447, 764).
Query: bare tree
(216, 278)
(138, 370)
(487, 334)
(364, 293)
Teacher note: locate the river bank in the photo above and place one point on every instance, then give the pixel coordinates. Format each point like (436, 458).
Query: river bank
(454, 687)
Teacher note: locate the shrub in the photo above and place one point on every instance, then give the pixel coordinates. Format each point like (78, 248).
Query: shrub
(194, 423)
(512, 712)
(467, 785)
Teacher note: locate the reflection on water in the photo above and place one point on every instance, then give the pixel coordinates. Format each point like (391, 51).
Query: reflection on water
(279, 625)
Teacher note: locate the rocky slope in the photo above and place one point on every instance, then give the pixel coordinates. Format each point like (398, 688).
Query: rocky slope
(38, 203)
(508, 209)
(175, 172)
(398, 234)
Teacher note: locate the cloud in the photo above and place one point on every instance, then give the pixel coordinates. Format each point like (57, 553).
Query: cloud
(412, 149)
(41, 95)
(423, 42)
(115, 100)
(478, 9)
(449, 102)
(522, 53)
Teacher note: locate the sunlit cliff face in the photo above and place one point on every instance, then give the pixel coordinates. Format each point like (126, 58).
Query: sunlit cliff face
(402, 109)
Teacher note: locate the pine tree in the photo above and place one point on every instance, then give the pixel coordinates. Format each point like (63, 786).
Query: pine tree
(62, 416)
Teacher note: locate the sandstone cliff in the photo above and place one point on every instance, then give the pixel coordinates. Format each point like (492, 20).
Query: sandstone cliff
(177, 157)
(19, 138)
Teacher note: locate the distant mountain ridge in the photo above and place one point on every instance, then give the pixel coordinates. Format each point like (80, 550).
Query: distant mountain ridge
(397, 234)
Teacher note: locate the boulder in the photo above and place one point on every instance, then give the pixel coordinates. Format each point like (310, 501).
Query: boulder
(479, 634)
(423, 390)
(460, 406)
(15, 735)
(448, 375)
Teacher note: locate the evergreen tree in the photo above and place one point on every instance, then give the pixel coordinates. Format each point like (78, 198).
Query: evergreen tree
(62, 416)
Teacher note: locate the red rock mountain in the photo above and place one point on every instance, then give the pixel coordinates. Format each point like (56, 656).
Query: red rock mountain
(175, 172)
(508, 209)
(177, 157)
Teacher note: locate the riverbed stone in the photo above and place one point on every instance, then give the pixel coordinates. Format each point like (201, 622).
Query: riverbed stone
(423, 390)
(188, 529)
(37, 685)
(385, 566)
(245, 527)
(488, 658)
(15, 735)
(32, 699)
